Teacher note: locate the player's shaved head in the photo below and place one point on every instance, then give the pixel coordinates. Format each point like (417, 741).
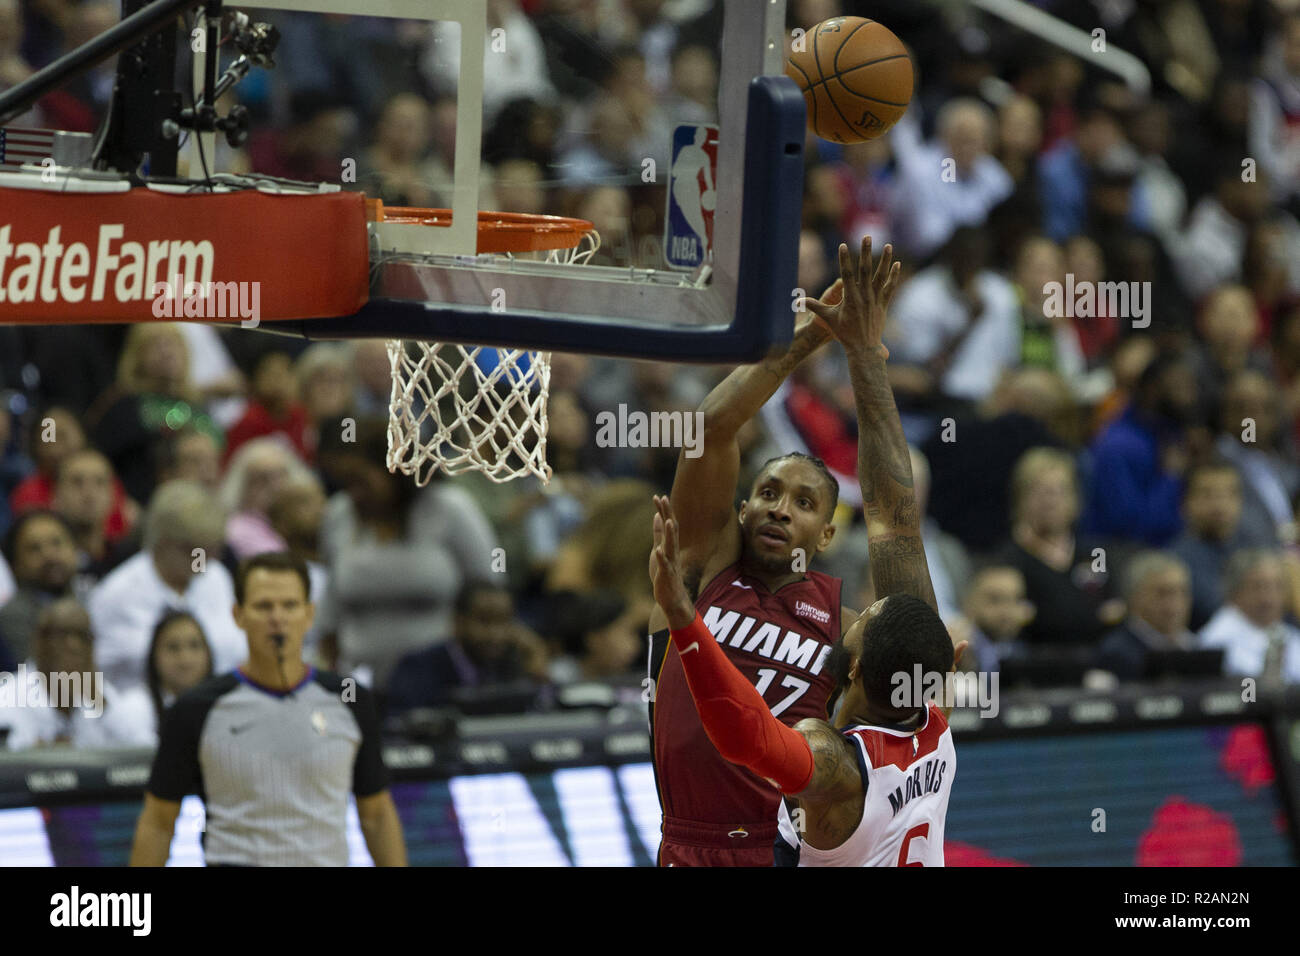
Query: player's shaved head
(892, 637)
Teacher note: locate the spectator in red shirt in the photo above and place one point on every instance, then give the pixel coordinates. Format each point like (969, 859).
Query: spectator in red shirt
(55, 437)
(273, 408)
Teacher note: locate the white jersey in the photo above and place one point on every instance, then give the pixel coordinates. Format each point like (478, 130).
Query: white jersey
(908, 776)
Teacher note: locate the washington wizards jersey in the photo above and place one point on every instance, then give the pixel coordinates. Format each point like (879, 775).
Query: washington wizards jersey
(907, 776)
(780, 642)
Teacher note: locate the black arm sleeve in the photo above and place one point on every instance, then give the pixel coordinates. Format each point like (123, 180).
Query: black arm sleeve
(369, 775)
(176, 772)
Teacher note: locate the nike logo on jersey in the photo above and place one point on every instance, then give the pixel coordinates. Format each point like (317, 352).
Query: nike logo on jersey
(693, 646)
(737, 584)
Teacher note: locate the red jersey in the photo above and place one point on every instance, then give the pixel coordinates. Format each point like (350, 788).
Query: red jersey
(780, 642)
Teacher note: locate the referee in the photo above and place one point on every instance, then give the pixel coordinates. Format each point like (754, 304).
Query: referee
(273, 748)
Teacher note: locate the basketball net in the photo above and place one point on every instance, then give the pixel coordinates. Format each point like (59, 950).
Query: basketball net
(462, 408)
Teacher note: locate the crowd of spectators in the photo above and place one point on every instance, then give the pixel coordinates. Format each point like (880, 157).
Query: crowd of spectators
(1109, 488)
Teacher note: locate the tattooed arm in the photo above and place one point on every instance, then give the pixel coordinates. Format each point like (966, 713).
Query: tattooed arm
(835, 768)
(898, 562)
(704, 488)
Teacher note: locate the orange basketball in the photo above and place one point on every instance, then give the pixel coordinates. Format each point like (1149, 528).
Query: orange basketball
(855, 75)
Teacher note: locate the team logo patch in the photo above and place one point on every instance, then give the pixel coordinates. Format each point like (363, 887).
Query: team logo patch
(804, 609)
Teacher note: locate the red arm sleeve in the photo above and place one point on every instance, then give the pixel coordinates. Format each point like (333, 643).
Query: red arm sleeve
(735, 716)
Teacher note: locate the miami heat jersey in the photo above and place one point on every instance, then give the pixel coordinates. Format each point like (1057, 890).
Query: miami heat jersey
(908, 776)
(780, 642)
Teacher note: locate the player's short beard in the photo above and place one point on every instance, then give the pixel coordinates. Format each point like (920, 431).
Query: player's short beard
(764, 564)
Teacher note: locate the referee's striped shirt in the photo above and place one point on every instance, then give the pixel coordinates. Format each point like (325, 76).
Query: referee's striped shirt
(274, 769)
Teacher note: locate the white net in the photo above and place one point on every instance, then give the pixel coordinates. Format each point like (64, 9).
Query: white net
(466, 408)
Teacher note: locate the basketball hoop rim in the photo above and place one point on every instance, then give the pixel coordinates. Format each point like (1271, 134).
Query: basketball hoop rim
(498, 232)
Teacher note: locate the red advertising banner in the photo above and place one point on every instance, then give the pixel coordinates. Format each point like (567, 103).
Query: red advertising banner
(145, 255)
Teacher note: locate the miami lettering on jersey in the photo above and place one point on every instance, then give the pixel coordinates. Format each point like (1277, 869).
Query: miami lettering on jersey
(734, 630)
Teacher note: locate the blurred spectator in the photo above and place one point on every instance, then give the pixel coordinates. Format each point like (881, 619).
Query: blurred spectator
(1158, 593)
(997, 610)
(1068, 170)
(273, 408)
(950, 565)
(609, 209)
(577, 47)
(972, 461)
(191, 454)
(295, 514)
(96, 716)
(694, 96)
(1151, 129)
(311, 148)
(1251, 438)
(324, 376)
(1228, 325)
(1068, 578)
(951, 182)
(488, 646)
(524, 129)
(42, 552)
(1096, 333)
(15, 466)
(1020, 138)
(83, 496)
(1140, 457)
(519, 187)
(1211, 533)
(1212, 246)
(853, 196)
(514, 58)
(397, 169)
(1048, 338)
(179, 658)
(1125, 366)
(1275, 112)
(53, 438)
(953, 328)
(260, 469)
(606, 552)
(600, 639)
(1250, 627)
(178, 569)
(14, 67)
(397, 556)
(152, 397)
(373, 378)
(1270, 272)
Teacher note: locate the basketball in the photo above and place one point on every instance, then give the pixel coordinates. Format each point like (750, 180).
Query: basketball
(709, 200)
(855, 75)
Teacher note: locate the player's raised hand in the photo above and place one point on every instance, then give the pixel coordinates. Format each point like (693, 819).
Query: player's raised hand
(665, 568)
(858, 319)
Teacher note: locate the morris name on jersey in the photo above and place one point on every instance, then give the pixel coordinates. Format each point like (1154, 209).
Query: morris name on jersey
(927, 778)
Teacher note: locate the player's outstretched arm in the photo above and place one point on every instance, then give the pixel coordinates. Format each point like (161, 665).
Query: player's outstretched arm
(703, 494)
(898, 562)
(733, 713)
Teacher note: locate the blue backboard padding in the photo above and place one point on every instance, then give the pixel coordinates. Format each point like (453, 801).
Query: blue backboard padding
(769, 251)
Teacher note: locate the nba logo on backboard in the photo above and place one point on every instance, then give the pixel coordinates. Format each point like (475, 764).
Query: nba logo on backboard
(692, 196)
